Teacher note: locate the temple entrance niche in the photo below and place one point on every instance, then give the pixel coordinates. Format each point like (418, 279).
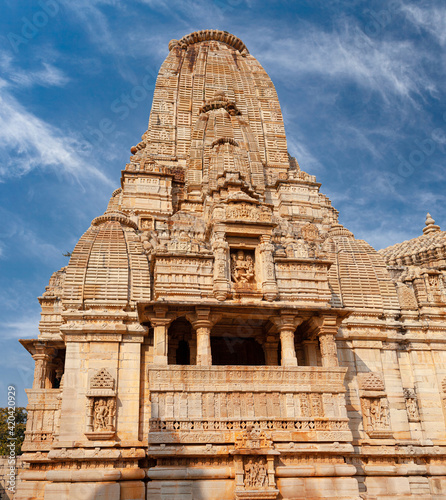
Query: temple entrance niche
(182, 343)
(236, 341)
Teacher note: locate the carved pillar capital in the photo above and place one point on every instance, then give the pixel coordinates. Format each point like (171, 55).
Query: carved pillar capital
(287, 321)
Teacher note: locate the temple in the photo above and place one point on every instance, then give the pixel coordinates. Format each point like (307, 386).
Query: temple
(218, 334)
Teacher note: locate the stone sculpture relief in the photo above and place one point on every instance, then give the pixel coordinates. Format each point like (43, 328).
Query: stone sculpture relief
(242, 267)
(376, 416)
(104, 413)
(101, 406)
(255, 473)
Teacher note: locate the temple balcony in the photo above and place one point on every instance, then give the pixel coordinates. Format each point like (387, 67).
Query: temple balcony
(195, 404)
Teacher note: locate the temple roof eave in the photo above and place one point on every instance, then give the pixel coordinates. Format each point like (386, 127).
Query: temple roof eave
(258, 309)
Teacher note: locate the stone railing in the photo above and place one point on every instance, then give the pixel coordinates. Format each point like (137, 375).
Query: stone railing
(43, 418)
(211, 404)
(247, 378)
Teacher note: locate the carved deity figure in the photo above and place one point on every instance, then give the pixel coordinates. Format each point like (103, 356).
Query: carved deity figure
(255, 474)
(375, 419)
(412, 409)
(377, 413)
(242, 267)
(101, 414)
(249, 474)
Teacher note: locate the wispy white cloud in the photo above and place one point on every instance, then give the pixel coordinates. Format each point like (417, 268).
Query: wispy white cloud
(390, 67)
(48, 76)
(28, 142)
(428, 17)
(24, 328)
(307, 161)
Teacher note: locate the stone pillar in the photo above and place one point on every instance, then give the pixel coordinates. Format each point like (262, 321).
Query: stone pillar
(310, 352)
(329, 351)
(40, 369)
(288, 350)
(202, 322)
(160, 340)
(204, 355)
(269, 284)
(326, 328)
(287, 324)
(90, 414)
(42, 357)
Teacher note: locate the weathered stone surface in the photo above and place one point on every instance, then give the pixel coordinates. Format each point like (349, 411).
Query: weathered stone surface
(218, 334)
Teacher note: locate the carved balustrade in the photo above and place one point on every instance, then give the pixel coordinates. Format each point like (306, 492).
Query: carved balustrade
(194, 404)
(43, 418)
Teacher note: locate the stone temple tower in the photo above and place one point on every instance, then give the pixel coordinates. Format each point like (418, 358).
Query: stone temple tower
(217, 334)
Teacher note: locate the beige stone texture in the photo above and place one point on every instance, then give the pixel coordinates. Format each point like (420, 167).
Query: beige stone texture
(217, 334)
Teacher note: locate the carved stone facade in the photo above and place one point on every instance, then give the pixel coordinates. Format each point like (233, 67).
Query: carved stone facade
(217, 334)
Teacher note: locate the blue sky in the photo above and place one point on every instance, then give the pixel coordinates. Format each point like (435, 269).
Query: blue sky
(361, 85)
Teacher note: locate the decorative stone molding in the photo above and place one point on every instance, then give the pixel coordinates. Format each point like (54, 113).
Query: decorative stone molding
(101, 406)
(207, 35)
(114, 216)
(406, 296)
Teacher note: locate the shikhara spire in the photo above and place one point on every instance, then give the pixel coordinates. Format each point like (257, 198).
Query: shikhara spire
(218, 333)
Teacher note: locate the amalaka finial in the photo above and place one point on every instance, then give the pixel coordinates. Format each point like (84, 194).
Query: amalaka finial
(430, 225)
